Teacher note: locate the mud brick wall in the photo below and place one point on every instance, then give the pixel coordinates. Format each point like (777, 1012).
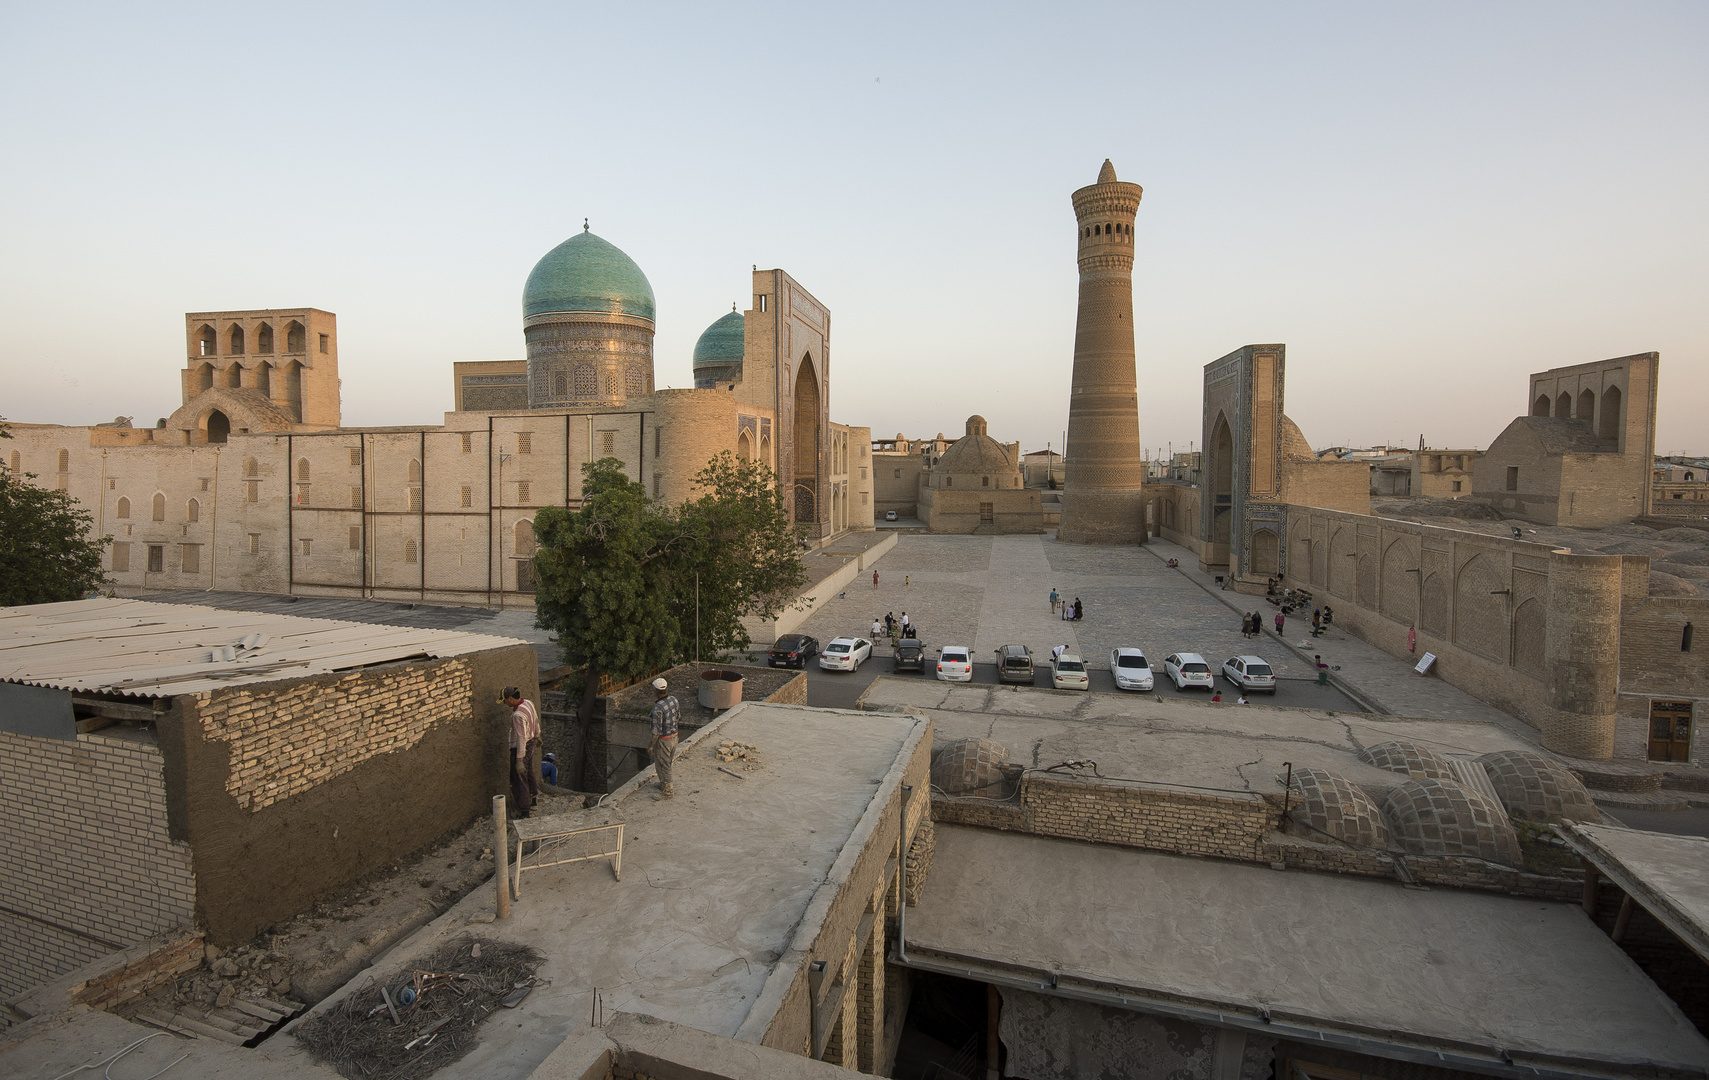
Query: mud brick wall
(87, 865)
(292, 790)
(284, 743)
(1228, 826)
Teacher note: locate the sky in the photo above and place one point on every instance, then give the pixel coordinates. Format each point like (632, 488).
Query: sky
(1424, 202)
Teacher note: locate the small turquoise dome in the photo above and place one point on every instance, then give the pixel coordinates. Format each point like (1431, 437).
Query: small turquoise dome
(722, 343)
(586, 273)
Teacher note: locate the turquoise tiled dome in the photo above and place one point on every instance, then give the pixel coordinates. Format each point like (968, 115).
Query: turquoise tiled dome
(721, 344)
(585, 273)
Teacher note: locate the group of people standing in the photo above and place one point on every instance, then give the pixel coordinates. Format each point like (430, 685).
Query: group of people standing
(1066, 609)
(1252, 624)
(893, 628)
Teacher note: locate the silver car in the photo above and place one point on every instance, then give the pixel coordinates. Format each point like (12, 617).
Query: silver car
(1250, 673)
(1131, 669)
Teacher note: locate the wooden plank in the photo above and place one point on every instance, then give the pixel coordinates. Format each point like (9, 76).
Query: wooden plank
(258, 1009)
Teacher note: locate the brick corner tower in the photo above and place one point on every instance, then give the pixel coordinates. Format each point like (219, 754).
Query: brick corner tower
(1104, 466)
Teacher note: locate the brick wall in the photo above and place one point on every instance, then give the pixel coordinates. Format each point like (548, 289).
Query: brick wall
(88, 866)
(284, 743)
(1226, 825)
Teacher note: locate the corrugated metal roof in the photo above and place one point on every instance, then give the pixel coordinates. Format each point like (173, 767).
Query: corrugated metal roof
(156, 650)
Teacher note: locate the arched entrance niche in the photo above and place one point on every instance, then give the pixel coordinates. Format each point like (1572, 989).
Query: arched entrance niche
(1541, 406)
(1610, 428)
(1221, 473)
(807, 448)
(744, 447)
(219, 427)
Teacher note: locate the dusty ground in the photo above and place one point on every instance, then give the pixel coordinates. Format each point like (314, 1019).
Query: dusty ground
(320, 950)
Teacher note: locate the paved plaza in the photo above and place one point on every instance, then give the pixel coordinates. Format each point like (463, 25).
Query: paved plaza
(989, 591)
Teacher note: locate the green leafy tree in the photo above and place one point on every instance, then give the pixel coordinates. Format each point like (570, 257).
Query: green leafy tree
(46, 553)
(616, 579)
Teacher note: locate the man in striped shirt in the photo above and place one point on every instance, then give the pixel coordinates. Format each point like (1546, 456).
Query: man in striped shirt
(524, 742)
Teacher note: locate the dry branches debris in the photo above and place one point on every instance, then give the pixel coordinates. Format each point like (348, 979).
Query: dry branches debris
(439, 1007)
(739, 753)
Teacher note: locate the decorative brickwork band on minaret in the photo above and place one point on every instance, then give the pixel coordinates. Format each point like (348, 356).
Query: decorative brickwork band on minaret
(1104, 466)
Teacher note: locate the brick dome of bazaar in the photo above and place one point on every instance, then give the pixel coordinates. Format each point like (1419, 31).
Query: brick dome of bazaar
(977, 452)
(587, 274)
(721, 343)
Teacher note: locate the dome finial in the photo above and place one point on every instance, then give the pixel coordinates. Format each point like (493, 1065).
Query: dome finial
(584, 220)
(732, 305)
(1107, 174)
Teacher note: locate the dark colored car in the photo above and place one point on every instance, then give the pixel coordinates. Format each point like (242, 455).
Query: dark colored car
(909, 655)
(793, 650)
(1015, 664)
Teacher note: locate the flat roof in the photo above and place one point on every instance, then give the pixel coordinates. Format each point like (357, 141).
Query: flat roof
(1667, 874)
(1171, 740)
(720, 884)
(147, 649)
(1370, 963)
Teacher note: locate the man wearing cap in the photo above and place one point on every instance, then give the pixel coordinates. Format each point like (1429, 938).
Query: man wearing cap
(524, 743)
(664, 718)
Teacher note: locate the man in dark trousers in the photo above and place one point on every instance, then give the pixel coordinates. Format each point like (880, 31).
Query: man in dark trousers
(524, 744)
(666, 712)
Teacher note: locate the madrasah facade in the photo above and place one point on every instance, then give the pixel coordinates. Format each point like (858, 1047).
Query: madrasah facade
(254, 484)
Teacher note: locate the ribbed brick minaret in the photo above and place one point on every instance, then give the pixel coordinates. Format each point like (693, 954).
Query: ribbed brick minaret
(1104, 466)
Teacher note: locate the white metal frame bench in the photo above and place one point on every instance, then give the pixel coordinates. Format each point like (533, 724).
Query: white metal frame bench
(548, 833)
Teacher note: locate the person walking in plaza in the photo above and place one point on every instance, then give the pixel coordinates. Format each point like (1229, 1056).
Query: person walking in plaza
(1079, 612)
(524, 741)
(877, 629)
(1316, 622)
(666, 712)
(1281, 619)
(875, 579)
(890, 622)
(904, 624)
(1055, 600)
(1257, 624)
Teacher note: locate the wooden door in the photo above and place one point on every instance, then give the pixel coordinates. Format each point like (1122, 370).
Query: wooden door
(1670, 731)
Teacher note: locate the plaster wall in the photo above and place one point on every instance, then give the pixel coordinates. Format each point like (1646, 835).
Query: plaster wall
(896, 483)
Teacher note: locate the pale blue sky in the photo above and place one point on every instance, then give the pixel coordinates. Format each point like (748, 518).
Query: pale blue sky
(1424, 203)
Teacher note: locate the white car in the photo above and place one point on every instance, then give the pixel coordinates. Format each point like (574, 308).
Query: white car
(889, 515)
(955, 664)
(845, 654)
(1187, 669)
(1131, 669)
(1068, 672)
(1250, 673)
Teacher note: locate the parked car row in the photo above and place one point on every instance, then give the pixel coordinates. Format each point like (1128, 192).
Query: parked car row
(1128, 665)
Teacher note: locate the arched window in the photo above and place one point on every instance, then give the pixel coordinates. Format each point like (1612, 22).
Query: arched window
(264, 379)
(1564, 406)
(1540, 407)
(1685, 639)
(192, 511)
(1587, 407)
(205, 376)
(219, 426)
(1610, 427)
(236, 338)
(409, 551)
(524, 539)
(251, 468)
(124, 508)
(984, 481)
(159, 507)
(264, 338)
(295, 337)
(302, 470)
(234, 376)
(65, 461)
(414, 471)
(207, 341)
(560, 385)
